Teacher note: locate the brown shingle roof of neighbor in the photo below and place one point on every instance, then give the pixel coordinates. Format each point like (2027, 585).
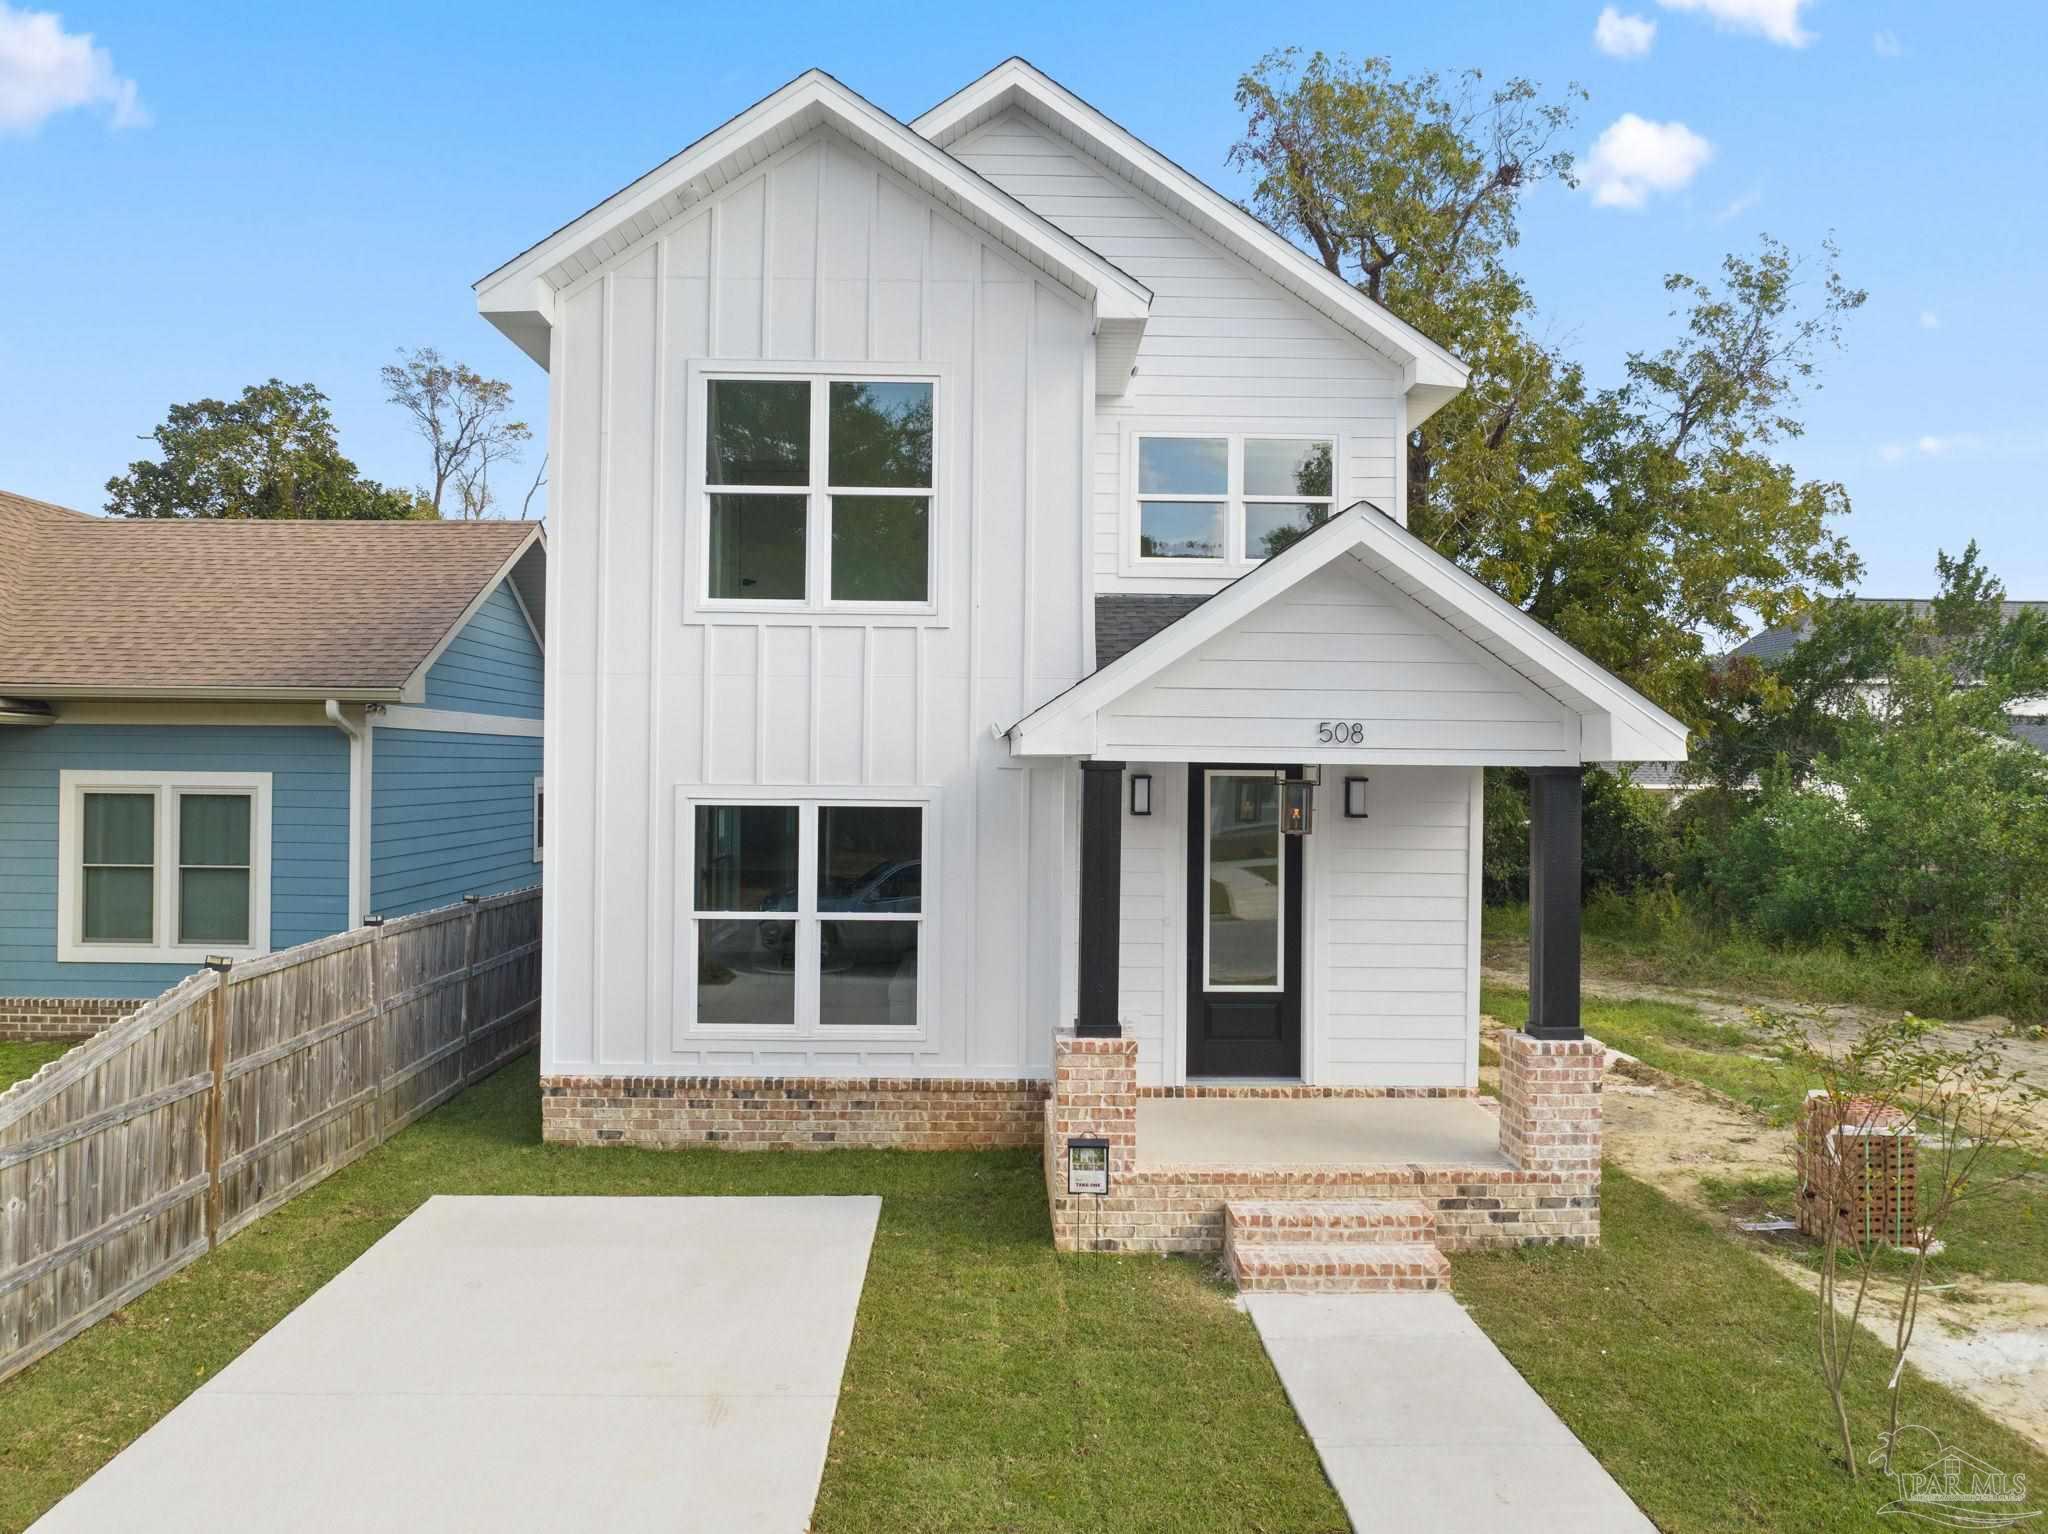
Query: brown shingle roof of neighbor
(251, 608)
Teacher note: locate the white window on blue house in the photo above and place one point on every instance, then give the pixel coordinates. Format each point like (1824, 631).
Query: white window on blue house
(807, 917)
(169, 867)
(819, 492)
(1207, 504)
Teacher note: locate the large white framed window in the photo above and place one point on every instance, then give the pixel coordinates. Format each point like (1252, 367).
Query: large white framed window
(1216, 503)
(816, 490)
(162, 867)
(805, 918)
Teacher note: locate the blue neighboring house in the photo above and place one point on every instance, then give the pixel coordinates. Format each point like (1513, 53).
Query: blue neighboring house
(229, 737)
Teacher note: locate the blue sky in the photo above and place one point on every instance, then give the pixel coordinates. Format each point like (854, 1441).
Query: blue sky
(201, 199)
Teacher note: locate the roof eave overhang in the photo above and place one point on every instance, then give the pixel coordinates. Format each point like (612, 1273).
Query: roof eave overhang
(1431, 374)
(1616, 722)
(520, 296)
(351, 693)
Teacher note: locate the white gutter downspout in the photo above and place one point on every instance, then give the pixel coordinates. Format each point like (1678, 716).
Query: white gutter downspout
(358, 808)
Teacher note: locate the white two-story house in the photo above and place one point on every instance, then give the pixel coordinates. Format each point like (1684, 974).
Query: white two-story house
(993, 697)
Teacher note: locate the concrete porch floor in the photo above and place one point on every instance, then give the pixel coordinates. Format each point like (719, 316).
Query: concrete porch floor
(1321, 1132)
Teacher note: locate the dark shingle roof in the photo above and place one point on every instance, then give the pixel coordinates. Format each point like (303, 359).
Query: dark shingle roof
(1122, 623)
(1777, 643)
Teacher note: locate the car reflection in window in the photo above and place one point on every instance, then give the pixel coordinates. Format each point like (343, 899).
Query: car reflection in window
(886, 889)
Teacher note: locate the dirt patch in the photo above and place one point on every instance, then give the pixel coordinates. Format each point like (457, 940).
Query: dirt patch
(1986, 1341)
(1827, 1025)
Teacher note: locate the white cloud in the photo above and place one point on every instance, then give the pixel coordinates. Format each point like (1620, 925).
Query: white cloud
(1777, 20)
(45, 70)
(1623, 37)
(1636, 157)
(1929, 320)
(1932, 446)
(1886, 45)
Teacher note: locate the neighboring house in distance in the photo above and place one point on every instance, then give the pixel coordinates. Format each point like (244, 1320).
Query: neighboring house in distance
(2029, 716)
(970, 537)
(229, 737)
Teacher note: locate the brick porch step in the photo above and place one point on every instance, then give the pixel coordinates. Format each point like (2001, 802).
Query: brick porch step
(1340, 1267)
(1295, 1222)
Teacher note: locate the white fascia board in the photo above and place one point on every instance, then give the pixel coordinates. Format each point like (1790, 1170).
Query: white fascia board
(415, 688)
(1617, 723)
(509, 299)
(1424, 364)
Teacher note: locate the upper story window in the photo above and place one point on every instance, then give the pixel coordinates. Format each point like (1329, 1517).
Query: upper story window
(819, 491)
(1207, 501)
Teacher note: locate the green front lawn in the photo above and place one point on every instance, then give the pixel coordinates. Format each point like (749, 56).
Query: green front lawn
(19, 1061)
(1687, 1366)
(992, 1385)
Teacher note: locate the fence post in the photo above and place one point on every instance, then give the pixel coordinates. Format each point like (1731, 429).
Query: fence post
(468, 985)
(216, 1095)
(376, 926)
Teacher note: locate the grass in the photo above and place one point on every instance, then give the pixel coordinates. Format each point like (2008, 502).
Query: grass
(1688, 1368)
(1660, 941)
(992, 1384)
(1998, 1233)
(1679, 1039)
(20, 1061)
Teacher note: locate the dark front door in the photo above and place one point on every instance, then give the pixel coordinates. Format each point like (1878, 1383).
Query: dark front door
(1244, 927)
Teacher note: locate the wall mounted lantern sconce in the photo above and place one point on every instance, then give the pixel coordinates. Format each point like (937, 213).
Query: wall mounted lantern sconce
(1354, 798)
(1297, 806)
(1141, 793)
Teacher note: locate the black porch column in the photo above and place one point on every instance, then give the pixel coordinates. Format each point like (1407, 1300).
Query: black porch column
(1102, 865)
(1554, 826)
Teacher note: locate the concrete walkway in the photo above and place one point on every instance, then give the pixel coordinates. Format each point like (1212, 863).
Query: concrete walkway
(519, 1364)
(1422, 1424)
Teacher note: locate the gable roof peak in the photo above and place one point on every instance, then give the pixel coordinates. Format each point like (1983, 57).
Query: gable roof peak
(1432, 375)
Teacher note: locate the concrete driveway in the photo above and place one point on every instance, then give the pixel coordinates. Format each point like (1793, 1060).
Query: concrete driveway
(1421, 1423)
(517, 1364)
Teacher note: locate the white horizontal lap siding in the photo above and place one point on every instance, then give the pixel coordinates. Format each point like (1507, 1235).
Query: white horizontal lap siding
(815, 254)
(1343, 646)
(1225, 349)
(1393, 931)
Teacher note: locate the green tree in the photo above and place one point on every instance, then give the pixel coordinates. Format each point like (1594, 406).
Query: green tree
(1638, 521)
(271, 453)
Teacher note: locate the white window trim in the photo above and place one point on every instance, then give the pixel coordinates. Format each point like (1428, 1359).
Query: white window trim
(165, 787)
(948, 497)
(1233, 563)
(807, 1028)
(539, 818)
(1209, 776)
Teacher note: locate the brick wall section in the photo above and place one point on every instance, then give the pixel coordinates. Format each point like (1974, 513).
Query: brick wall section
(791, 1112)
(1549, 1195)
(1166, 1210)
(1094, 1097)
(1550, 1103)
(35, 1019)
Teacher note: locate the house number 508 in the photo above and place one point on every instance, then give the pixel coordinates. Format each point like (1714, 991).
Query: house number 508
(1340, 732)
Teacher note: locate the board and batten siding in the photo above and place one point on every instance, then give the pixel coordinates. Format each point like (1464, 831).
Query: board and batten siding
(1390, 961)
(493, 666)
(1343, 645)
(1225, 350)
(308, 837)
(450, 815)
(818, 253)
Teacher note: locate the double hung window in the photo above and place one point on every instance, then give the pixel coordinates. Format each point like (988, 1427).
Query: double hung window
(819, 492)
(808, 916)
(1228, 501)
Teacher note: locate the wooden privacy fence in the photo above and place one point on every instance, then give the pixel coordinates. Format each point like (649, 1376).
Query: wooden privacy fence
(229, 1094)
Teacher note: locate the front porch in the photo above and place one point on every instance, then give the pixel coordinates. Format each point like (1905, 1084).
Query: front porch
(1451, 1170)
